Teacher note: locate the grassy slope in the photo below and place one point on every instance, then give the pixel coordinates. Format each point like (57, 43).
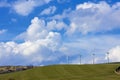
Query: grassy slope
(66, 72)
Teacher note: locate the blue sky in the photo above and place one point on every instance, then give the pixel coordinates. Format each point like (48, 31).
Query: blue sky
(42, 32)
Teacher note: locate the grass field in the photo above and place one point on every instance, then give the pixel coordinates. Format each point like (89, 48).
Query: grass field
(66, 72)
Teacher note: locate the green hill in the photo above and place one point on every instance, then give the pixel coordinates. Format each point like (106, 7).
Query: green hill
(66, 72)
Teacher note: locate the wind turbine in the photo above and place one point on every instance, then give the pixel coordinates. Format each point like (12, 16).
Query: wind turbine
(67, 58)
(95, 54)
(80, 58)
(108, 56)
(93, 58)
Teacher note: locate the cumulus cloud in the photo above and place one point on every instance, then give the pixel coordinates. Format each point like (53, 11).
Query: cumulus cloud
(25, 7)
(39, 29)
(92, 18)
(35, 31)
(56, 25)
(114, 54)
(48, 11)
(39, 44)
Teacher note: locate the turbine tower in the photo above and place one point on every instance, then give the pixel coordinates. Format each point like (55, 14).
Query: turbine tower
(93, 58)
(108, 57)
(67, 57)
(80, 58)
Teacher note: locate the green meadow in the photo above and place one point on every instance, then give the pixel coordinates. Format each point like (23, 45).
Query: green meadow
(66, 72)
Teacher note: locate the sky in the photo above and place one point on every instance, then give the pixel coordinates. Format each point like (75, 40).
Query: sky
(46, 32)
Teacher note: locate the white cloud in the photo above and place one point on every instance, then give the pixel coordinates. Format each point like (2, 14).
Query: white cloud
(38, 45)
(114, 54)
(56, 25)
(25, 7)
(48, 11)
(84, 6)
(2, 31)
(36, 30)
(39, 29)
(92, 18)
